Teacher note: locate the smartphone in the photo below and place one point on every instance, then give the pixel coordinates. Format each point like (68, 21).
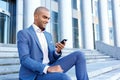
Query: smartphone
(63, 41)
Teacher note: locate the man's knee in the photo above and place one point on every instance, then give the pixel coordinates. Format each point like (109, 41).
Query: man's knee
(80, 55)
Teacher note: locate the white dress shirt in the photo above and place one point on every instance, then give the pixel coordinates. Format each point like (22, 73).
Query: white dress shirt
(44, 46)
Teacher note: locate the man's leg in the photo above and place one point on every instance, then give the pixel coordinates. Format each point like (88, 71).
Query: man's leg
(76, 58)
(53, 76)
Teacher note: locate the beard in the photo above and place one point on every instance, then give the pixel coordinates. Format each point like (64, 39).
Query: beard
(41, 24)
(43, 29)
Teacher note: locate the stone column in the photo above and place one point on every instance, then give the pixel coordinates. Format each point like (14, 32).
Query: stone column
(19, 15)
(116, 21)
(86, 21)
(65, 21)
(28, 11)
(103, 21)
(48, 6)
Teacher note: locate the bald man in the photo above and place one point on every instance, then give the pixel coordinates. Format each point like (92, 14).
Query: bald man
(39, 57)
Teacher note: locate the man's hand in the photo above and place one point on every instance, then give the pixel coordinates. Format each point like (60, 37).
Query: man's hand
(56, 68)
(59, 47)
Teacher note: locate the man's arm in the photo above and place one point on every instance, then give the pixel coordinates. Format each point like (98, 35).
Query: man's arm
(24, 54)
(57, 68)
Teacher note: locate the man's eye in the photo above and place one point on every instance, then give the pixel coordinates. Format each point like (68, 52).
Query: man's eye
(44, 17)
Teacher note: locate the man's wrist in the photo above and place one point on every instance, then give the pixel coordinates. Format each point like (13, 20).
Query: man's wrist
(59, 52)
(45, 69)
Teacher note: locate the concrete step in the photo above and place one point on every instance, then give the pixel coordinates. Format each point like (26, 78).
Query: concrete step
(99, 60)
(8, 54)
(86, 52)
(98, 68)
(112, 75)
(91, 55)
(8, 51)
(13, 76)
(96, 57)
(9, 61)
(67, 51)
(8, 48)
(9, 69)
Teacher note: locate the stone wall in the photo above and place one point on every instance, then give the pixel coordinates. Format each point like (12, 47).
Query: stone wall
(112, 51)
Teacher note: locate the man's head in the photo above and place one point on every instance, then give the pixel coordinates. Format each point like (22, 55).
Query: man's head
(41, 17)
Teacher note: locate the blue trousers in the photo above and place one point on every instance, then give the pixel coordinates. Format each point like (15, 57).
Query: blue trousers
(76, 59)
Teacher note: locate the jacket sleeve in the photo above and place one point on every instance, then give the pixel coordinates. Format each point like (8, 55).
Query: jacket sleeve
(24, 54)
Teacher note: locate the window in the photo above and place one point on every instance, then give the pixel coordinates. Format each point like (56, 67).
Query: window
(97, 32)
(4, 4)
(13, 22)
(4, 28)
(111, 35)
(109, 5)
(55, 28)
(55, 0)
(96, 8)
(75, 33)
(74, 4)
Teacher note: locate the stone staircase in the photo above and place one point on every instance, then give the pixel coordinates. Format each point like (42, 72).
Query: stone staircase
(100, 66)
(9, 62)
(91, 55)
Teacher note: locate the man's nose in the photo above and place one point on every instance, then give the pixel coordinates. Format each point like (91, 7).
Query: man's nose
(47, 20)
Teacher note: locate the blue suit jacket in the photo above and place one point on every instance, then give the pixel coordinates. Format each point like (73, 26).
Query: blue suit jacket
(31, 55)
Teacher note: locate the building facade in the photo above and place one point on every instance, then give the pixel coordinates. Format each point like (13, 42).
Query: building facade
(82, 22)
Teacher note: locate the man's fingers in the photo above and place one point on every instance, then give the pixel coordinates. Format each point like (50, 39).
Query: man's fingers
(59, 68)
(59, 45)
(56, 68)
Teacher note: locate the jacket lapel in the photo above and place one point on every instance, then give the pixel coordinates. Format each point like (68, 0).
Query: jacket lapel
(49, 40)
(34, 36)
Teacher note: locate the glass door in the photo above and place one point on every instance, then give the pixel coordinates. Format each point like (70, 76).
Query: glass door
(8, 21)
(4, 27)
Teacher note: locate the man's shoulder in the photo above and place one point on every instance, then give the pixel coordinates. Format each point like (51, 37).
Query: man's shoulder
(25, 30)
(22, 31)
(46, 32)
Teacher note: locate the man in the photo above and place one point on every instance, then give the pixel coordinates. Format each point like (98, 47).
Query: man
(39, 58)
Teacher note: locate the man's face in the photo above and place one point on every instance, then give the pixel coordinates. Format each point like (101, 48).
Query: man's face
(43, 19)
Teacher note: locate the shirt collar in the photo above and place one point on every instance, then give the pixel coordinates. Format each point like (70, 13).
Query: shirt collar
(36, 28)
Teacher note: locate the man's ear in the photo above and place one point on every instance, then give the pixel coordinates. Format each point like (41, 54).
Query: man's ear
(36, 16)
